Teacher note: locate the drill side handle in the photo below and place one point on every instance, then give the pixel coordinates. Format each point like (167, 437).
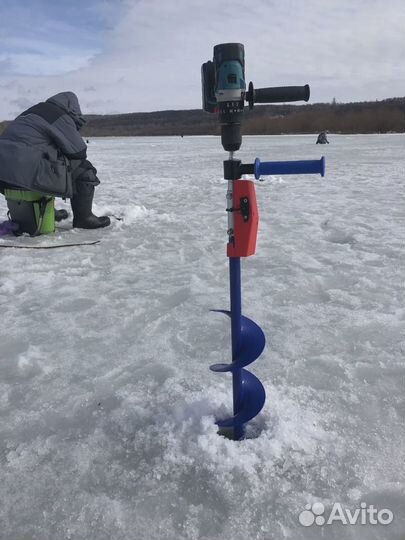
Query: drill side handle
(277, 94)
(308, 166)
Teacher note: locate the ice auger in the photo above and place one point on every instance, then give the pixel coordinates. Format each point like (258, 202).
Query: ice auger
(224, 93)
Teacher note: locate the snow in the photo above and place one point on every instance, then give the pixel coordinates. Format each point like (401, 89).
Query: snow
(107, 404)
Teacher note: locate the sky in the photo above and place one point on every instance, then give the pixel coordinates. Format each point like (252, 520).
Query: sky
(145, 55)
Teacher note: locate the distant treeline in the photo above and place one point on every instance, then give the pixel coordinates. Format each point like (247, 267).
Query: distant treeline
(365, 117)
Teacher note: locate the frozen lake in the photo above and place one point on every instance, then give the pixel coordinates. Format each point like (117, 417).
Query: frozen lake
(107, 404)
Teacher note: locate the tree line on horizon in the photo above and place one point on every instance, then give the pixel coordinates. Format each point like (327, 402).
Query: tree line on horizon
(386, 116)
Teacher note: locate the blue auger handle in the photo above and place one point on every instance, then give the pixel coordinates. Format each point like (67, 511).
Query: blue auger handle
(308, 166)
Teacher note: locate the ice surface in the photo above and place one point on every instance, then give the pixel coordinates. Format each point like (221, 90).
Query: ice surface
(107, 404)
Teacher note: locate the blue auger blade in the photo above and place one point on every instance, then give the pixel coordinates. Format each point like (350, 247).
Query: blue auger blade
(252, 401)
(253, 342)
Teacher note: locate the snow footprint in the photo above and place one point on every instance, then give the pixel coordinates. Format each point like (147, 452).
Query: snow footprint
(336, 235)
(75, 305)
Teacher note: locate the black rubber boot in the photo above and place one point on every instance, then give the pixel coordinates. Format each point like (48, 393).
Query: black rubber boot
(83, 217)
(61, 214)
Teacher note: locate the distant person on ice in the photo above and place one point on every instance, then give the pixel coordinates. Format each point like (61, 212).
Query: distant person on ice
(322, 138)
(42, 150)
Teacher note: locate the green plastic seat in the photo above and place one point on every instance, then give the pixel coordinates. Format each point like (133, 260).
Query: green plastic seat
(33, 212)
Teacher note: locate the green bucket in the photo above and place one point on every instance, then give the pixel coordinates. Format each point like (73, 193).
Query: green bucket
(33, 212)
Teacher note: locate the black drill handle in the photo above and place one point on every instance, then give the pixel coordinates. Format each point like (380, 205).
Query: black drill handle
(278, 94)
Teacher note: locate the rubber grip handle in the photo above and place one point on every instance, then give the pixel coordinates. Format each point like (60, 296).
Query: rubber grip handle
(309, 166)
(281, 94)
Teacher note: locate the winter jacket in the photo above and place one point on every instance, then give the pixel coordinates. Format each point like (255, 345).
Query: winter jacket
(36, 148)
(322, 138)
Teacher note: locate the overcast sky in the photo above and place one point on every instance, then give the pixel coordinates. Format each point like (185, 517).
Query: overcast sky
(146, 55)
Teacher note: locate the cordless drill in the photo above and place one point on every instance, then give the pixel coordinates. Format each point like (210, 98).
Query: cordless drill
(224, 92)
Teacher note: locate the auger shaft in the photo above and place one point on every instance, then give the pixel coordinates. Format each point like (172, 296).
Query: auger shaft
(236, 323)
(235, 291)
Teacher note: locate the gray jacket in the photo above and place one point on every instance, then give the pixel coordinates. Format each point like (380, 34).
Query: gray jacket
(36, 148)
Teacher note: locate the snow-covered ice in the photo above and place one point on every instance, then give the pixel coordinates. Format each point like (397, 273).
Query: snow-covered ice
(107, 404)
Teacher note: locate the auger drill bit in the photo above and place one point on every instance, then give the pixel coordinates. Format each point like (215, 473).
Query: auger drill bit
(224, 93)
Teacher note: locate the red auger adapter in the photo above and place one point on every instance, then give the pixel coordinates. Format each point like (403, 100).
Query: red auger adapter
(246, 220)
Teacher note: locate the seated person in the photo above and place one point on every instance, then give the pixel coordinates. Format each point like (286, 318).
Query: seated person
(42, 150)
(322, 138)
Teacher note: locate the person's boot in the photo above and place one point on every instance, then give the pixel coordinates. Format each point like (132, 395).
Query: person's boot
(83, 217)
(61, 214)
